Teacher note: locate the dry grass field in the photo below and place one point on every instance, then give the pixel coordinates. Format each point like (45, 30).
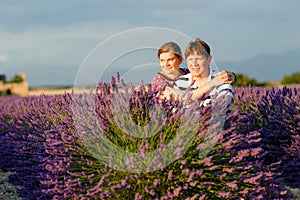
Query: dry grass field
(54, 91)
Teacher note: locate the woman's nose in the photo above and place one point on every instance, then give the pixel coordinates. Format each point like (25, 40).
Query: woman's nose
(166, 63)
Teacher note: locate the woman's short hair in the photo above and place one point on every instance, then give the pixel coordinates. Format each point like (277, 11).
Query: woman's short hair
(170, 47)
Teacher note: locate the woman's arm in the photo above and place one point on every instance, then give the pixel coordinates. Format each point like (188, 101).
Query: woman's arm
(223, 77)
(191, 95)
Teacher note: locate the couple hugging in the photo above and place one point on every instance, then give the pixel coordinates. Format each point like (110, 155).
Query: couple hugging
(199, 79)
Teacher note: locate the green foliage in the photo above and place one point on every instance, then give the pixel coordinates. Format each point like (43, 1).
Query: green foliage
(16, 79)
(244, 80)
(294, 78)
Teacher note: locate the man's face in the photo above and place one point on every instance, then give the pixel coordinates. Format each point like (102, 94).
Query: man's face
(169, 62)
(198, 64)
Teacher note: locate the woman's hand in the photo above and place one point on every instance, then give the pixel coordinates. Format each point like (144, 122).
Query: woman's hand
(224, 77)
(228, 77)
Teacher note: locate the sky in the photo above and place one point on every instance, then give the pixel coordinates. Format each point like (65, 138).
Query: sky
(83, 42)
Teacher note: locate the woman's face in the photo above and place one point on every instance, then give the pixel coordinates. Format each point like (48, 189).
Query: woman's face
(169, 62)
(198, 64)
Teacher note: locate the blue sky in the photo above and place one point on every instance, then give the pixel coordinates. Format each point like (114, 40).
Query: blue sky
(51, 40)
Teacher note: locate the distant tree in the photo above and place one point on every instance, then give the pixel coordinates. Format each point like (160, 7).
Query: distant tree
(16, 79)
(244, 80)
(294, 78)
(2, 78)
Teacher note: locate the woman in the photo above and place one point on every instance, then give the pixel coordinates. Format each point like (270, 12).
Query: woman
(170, 58)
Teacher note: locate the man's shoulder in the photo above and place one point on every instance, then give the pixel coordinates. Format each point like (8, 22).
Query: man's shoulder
(182, 82)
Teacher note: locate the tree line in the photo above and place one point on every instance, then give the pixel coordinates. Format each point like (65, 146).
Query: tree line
(244, 80)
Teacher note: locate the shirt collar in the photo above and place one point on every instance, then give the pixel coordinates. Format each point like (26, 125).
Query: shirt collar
(212, 73)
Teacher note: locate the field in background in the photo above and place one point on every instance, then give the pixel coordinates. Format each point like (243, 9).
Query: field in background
(53, 91)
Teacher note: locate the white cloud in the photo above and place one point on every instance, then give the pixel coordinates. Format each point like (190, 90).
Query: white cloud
(4, 58)
(12, 9)
(32, 35)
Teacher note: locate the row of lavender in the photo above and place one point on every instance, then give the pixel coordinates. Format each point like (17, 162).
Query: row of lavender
(257, 155)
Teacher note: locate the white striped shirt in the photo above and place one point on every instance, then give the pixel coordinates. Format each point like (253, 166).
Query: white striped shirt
(185, 82)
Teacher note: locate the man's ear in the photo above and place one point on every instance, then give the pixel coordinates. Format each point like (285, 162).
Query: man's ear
(209, 58)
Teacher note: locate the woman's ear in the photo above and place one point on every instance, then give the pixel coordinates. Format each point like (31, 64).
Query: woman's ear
(180, 58)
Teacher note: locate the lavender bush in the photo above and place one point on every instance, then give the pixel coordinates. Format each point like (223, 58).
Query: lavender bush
(53, 153)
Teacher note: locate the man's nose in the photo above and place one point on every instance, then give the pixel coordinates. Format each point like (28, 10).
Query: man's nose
(195, 63)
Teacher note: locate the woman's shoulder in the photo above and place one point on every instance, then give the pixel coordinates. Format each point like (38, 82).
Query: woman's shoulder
(158, 80)
(158, 76)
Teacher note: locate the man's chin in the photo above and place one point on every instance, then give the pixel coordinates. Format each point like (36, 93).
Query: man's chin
(195, 72)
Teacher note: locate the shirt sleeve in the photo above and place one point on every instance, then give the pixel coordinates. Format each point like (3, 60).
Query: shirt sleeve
(226, 91)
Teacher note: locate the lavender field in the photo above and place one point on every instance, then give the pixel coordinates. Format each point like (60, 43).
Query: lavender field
(257, 155)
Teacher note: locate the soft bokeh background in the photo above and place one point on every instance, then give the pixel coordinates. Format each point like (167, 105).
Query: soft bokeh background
(49, 40)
